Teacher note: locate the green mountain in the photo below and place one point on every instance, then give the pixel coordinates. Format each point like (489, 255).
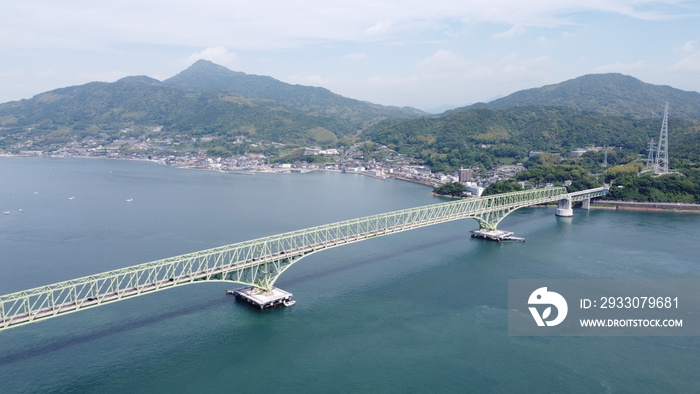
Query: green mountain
(204, 75)
(594, 110)
(206, 100)
(609, 94)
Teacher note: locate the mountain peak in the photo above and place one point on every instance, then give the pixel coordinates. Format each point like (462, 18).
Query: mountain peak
(208, 66)
(610, 94)
(203, 75)
(204, 62)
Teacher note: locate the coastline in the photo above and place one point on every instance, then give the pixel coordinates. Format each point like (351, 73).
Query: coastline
(596, 204)
(647, 206)
(242, 171)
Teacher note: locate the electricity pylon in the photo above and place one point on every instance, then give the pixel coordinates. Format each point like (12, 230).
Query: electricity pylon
(650, 156)
(661, 163)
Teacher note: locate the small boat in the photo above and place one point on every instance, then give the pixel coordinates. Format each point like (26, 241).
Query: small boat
(6, 213)
(129, 200)
(71, 198)
(231, 292)
(21, 210)
(289, 302)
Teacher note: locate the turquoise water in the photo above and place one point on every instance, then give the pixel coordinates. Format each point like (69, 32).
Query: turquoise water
(419, 311)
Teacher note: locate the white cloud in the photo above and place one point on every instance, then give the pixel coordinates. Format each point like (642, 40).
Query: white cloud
(243, 24)
(516, 30)
(355, 56)
(689, 47)
(449, 77)
(381, 27)
(689, 63)
(444, 64)
(433, 46)
(689, 54)
(450, 66)
(513, 66)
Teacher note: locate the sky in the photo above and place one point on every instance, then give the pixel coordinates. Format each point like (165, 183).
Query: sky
(424, 54)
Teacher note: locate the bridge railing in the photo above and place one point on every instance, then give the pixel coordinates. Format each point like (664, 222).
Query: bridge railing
(46, 301)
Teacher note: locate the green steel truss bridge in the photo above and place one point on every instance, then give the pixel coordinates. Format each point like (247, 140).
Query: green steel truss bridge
(260, 262)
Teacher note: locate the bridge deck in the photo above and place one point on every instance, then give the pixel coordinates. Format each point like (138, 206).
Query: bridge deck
(587, 194)
(257, 262)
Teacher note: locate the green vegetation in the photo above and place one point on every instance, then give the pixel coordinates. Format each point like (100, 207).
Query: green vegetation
(613, 173)
(298, 155)
(648, 188)
(458, 139)
(205, 100)
(454, 189)
(502, 186)
(611, 110)
(607, 94)
(210, 110)
(558, 174)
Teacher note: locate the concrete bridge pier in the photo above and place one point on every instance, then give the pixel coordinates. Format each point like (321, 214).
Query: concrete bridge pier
(586, 204)
(564, 208)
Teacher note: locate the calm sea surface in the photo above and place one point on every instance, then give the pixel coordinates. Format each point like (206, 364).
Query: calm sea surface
(420, 311)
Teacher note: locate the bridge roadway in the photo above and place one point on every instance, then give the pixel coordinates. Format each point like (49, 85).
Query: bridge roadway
(259, 262)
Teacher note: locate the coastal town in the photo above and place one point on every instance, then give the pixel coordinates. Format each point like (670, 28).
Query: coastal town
(384, 162)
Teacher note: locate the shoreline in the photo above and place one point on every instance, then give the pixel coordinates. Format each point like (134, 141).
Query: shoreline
(647, 206)
(597, 204)
(243, 171)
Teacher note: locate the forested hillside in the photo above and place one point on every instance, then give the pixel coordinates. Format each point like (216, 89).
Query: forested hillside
(266, 91)
(608, 94)
(483, 138)
(205, 100)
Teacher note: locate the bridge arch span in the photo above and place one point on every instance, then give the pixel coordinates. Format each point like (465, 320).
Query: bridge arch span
(261, 261)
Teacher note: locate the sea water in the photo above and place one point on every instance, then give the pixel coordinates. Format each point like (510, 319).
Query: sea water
(419, 311)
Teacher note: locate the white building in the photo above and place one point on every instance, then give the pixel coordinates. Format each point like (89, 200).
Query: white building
(474, 189)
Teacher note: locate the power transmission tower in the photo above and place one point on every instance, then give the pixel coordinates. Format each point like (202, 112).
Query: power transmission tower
(650, 156)
(605, 160)
(661, 163)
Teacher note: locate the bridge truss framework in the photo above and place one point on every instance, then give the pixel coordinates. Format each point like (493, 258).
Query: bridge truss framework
(261, 261)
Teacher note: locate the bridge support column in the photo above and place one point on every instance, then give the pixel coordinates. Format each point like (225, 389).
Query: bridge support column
(564, 209)
(586, 204)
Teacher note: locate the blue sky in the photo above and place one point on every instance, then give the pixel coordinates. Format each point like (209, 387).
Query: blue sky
(423, 54)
